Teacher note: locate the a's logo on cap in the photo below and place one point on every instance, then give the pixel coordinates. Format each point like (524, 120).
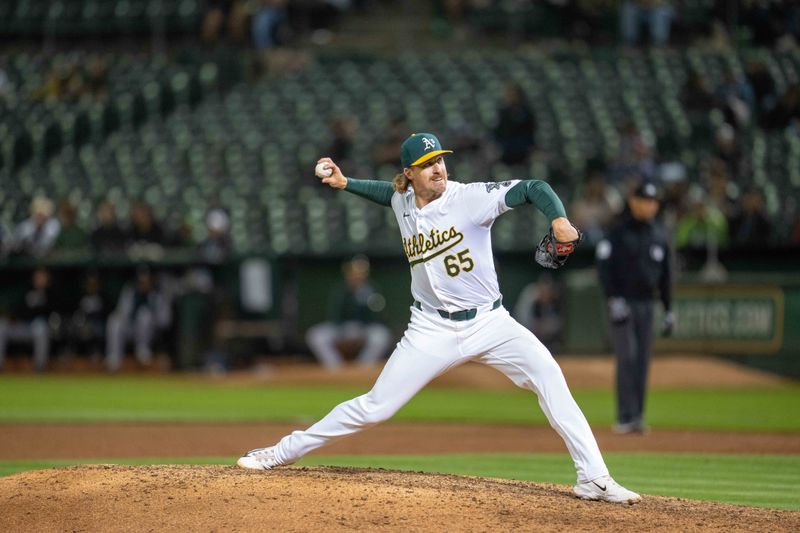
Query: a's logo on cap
(429, 143)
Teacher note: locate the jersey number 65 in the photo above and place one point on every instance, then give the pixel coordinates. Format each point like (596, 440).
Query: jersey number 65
(455, 264)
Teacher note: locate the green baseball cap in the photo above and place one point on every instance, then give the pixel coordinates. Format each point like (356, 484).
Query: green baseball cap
(419, 148)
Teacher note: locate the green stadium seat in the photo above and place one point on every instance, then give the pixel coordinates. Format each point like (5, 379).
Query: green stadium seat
(170, 134)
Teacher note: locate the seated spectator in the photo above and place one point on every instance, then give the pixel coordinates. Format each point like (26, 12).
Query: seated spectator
(635, 161)
(317, 17)
(97, 72)
(144, 228)
(763, 85)
(772, 23)
(670, 166)
(107, 237)
(387, 150)
(596, 206)
(751, 226)
(36, 235)
(696, 97)
(516, 127)
(30, 320)
(352, 316)
(71, 237)
(142, 310)
(343, 132)
(728, 149)
(179, 232)
(224, 16)
(146, 238)
(702, 226)
(465, 139)
(269, 16)
(656, 15)
(674, 203)
(449, 18)
(736, 98)
(786, 112)
(540, 309)
(218, 244)
(87, 324)
(721, 192)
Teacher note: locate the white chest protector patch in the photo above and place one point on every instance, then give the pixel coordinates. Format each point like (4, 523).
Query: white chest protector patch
(657, 253)
(603, 250)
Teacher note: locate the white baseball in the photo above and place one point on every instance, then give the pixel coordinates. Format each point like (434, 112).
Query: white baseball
(322, 170)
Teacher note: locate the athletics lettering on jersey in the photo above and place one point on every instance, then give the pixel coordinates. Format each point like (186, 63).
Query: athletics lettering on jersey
(417, 246)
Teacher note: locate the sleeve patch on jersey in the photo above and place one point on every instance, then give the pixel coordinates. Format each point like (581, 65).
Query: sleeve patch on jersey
(496, 186)
(603, 250)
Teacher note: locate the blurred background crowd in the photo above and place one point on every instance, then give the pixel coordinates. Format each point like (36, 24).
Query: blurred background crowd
(135, 130)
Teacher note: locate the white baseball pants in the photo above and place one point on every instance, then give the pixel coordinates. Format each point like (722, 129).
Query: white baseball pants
(431, 346)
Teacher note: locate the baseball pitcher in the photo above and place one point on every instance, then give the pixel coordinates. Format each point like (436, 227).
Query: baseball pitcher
(457, 314)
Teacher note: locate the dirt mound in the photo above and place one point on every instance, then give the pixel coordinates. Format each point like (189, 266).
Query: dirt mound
(216, 498)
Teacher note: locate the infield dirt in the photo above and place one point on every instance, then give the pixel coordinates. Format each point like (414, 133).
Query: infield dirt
(215, 498)
(218, 498)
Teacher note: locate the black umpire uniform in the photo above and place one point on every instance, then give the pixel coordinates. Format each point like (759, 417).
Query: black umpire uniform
(632, 262)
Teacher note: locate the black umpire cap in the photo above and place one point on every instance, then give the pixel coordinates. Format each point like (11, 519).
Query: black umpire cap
(647, 190)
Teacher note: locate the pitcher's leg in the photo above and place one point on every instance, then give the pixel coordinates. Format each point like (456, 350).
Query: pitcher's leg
(406, 372)
(529, 365)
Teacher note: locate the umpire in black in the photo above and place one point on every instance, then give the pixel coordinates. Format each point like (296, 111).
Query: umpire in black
(632, 262)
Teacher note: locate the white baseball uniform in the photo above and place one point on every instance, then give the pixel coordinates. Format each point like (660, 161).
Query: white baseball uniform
(456, 317)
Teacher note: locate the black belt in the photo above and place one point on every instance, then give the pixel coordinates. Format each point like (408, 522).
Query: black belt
(464, 314)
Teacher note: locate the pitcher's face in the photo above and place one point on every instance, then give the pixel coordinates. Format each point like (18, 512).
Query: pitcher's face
(429, 178)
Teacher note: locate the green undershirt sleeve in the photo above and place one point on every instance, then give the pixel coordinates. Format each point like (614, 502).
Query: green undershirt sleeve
(378, 191)
(538, 193)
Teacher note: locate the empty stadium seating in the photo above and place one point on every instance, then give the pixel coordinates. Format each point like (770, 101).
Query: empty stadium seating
(65, 18)
(164, 137)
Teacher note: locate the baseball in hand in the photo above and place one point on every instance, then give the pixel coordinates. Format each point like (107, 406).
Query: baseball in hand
(322, 170)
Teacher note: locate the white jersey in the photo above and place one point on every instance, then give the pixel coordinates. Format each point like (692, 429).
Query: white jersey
(448, 244)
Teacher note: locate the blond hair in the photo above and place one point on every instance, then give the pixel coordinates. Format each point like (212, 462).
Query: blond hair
(401, 182)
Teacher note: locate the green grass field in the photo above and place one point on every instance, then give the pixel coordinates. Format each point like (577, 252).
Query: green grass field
(97, 399)
(761, 480)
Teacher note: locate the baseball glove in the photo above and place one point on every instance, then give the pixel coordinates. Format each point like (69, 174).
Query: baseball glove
(553, 254)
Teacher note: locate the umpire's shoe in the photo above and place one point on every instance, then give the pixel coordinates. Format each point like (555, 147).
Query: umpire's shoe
(605, 489)
(259, 459)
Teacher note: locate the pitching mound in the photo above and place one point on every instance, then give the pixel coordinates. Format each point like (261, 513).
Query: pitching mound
(216, 498)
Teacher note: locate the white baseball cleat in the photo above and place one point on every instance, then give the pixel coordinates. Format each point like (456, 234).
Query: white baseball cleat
(259, 459)
(605, 489)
